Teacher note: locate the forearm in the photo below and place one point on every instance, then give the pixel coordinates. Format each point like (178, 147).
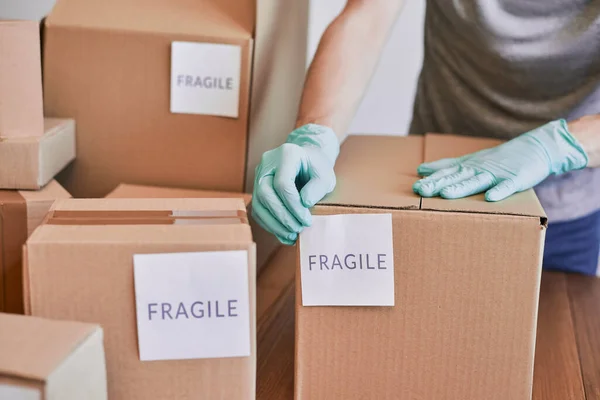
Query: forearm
(344, 63)
(587, 132)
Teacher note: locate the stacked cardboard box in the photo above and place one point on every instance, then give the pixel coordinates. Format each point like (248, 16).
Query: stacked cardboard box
(32, 149)
(161, 90)
(21, 211)
(411, 297)
(50, 360)
(157, 275)
(266, 244)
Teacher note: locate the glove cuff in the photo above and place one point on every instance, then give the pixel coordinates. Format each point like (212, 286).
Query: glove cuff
(564, 150)
(319, 136)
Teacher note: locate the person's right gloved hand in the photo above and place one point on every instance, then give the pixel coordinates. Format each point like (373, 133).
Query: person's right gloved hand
(292, 178)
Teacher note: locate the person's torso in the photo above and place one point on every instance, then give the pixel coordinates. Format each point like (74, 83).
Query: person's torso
(499, 68)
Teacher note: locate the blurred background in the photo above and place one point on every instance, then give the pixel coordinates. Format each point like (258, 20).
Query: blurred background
(387, 106)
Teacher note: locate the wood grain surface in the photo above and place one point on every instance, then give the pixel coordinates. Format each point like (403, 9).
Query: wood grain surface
(584, 296)
(567, 363)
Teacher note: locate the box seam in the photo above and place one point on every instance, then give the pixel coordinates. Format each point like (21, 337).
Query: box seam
(215, 39)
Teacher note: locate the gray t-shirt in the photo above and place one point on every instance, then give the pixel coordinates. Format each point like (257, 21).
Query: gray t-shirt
(499, 68)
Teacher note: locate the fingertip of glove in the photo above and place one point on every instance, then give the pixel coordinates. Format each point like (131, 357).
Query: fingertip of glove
(416, 186)
(493, 196)
(426, 189)
(450, 193)
(289, 240)
(423, 169)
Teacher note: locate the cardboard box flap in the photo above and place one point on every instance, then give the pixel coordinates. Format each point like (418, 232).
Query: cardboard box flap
(132, 220)
(380, 171)
(33, 347)
(176, 204)
(439, 146)
(125, 190)
(523, 204)
(50, 192)
(215, 19)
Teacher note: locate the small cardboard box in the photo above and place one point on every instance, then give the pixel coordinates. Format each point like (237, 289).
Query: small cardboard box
(21, 211)
(21, 109)
(161, 90)
(50, 360)
(466, 279)
(32, 162)
(266, 244)
(84, 264)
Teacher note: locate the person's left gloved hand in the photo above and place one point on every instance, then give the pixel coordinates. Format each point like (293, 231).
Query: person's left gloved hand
(511, 167)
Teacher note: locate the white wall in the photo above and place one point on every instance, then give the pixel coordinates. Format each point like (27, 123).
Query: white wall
(387, 106)
(25, 9)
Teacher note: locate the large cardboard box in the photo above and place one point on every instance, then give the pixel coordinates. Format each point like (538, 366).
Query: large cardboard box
(21, 211)
(466, 277)
(31, 162)
(50, 360)
(21, 110)
(152, 110)
(87, 263)
(266, 244)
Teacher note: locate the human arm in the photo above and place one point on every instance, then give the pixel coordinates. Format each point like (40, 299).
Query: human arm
(519, 164)
(293, 177)
(587, 132)
(344, 63)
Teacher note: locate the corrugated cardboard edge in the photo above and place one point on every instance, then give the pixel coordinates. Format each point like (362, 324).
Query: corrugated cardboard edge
(297, 331)
(56, 149)
(26, 283)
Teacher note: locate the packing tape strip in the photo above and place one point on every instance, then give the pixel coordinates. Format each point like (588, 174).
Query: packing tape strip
(13, 235)
(146, 217)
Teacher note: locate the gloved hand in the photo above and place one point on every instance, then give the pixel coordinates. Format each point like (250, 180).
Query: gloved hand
(511, 167)
(292, 178)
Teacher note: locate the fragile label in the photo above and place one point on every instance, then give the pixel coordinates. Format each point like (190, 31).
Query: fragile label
(348, 260)
(205, 78)
(192, 305)
(15, 392)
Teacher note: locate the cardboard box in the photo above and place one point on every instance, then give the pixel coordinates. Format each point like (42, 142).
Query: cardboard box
(80, 266)
(266, 244)
(116, 67)
(21, 212)
(50, 360)
(32, 162)
(21, 110)
(466, 284)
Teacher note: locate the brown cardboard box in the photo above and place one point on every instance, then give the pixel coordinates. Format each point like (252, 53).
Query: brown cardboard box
(21, 212)
(266, 244)
(21, 110)
(50, 360)
(466, 276)
(32, 162)
(108, 65)
(79, 266)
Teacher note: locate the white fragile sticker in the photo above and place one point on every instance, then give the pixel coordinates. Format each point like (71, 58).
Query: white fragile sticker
(348, 260)
(192, 305)
(205, 78)
(14, 392)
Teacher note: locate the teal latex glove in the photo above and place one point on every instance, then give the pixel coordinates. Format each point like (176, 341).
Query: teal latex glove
(511, 167)
(292, 178)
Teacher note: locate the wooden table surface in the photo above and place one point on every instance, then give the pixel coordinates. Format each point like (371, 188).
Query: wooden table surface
(567, 364)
